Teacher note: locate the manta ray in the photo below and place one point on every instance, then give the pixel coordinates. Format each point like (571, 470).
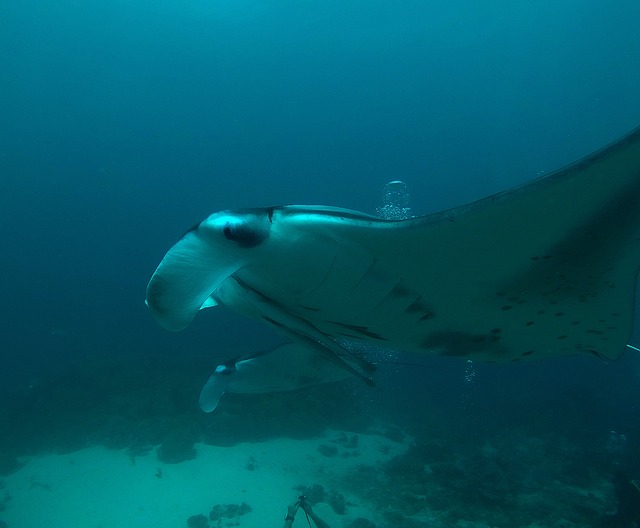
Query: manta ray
(544, 269)
(287, 367)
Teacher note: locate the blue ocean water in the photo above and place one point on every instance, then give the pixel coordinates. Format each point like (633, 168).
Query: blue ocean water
(124, 123)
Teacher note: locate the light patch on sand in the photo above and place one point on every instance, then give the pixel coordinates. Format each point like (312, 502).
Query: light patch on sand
(98, 488)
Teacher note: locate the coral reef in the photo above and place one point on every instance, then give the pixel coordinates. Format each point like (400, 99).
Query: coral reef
(219, 512)
(317, 493)
(361, 522)
(197, 521)
(229, 510)
(508, 478)
(327, 450)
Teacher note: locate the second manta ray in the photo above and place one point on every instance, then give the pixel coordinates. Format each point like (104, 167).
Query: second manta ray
(285, 368)
(545, 269)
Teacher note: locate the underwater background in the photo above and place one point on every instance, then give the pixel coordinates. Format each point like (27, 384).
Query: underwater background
(124, 123)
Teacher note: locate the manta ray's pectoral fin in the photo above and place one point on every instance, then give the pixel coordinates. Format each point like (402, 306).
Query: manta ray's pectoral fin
(301, 331)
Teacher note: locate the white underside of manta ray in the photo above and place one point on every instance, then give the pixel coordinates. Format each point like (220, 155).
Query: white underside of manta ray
(545, 269)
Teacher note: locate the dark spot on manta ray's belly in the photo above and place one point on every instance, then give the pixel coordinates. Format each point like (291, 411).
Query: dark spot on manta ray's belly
(597, 354)
(345, 334)
(416, 306)
(399, 291)
(310, 308)
(272, 321)
(461, 344)
(362, 330)
(419, 306)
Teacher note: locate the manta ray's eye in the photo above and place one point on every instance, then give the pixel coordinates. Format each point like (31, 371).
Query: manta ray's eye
(247, 232)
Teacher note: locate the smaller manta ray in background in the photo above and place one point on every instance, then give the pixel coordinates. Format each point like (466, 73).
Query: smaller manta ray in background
(545, 269)
(284, 368)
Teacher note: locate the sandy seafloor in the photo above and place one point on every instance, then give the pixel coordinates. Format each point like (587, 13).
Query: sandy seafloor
(101, 488)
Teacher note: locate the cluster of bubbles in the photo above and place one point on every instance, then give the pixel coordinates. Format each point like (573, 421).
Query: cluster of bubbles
(469, 381)
(469, 372)
(395, 202)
